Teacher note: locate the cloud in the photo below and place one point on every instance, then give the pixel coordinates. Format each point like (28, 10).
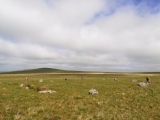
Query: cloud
(103, 35)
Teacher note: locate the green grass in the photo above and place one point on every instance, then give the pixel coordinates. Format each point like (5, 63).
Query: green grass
(121, 100)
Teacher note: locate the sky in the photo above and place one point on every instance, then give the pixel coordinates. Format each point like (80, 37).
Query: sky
(85, 35)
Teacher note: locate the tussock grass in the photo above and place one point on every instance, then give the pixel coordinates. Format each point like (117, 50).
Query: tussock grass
(117, 100)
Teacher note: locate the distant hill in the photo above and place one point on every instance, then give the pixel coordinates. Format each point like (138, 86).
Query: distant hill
(53, 70)
(38, 70)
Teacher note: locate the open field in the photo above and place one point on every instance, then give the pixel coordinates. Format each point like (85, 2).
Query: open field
(117, 100)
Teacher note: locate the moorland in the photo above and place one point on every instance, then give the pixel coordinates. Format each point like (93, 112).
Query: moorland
(116, 100)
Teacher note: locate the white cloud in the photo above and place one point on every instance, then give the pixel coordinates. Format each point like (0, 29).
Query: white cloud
(69, 35)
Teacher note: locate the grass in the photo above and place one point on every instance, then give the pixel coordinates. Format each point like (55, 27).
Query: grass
(121, 100)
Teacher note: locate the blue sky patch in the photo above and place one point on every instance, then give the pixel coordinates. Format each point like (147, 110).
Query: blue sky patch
(7, 37)
(142, 7)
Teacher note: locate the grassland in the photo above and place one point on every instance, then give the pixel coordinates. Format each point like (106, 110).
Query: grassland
(117, 100)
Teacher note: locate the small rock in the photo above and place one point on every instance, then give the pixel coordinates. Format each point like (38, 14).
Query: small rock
(143, 84)
(21, 85)
(47, 91)
(27, 88)
(40, 80)
(93, 91)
